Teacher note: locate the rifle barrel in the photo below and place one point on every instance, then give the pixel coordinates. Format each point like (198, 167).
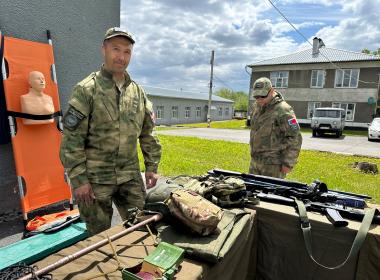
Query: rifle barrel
(265, 182)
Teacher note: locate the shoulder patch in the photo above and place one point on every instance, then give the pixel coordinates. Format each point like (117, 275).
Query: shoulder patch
(149, 110)
(72, 118)
(293, 123)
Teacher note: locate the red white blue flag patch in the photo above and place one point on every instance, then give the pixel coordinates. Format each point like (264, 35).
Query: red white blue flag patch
(293, 123)
(153, 117)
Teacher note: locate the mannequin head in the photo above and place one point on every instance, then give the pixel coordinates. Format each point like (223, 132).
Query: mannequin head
(37, 81)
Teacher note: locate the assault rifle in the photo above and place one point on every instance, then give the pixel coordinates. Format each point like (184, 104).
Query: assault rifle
(316, 196)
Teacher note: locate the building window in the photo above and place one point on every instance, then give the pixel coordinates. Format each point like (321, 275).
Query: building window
(346, 78)
(227, 111)
(317, 78)
(159, 112)
(187, 112)
(279, 79)
(220, 111)
(174, 112)
(198, 112)
(310, 108)
(349, 107)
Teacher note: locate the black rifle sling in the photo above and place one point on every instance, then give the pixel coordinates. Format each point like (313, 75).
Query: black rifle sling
(358, 241)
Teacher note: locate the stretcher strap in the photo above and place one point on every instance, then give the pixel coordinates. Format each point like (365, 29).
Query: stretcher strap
(32, 116)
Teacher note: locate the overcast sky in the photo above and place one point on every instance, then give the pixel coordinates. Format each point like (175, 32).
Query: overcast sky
(174, 38)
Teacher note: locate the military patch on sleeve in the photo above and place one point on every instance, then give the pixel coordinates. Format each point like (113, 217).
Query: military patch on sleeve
(149, 110)
(293, 123)
(153, 116)
(72, 118)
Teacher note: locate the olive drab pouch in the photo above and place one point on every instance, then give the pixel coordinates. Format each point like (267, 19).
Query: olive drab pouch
(196, 212)
(228, 191)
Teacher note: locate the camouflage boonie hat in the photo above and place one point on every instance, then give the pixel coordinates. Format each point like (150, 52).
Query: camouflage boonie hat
(261, 87)
(117, 31)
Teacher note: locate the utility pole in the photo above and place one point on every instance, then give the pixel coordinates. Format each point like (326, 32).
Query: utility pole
(210, 91)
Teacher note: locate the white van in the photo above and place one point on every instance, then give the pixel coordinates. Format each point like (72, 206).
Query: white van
(328, 120)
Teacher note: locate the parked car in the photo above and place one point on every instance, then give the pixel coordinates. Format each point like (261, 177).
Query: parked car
(374, 130)
(329, 120)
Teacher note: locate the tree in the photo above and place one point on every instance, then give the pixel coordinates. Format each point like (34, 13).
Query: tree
(367, 51)
(239, 97)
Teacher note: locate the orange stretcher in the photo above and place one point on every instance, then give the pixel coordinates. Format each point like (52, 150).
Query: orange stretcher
(39, 171)
(5, 136)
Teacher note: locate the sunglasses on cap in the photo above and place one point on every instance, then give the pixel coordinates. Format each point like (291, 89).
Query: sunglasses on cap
(262, 97)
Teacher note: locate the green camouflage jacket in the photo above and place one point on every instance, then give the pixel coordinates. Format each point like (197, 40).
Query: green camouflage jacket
(101, 129)
(275, 133)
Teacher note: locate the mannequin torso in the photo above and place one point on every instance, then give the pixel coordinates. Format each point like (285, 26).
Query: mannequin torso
(35, 101)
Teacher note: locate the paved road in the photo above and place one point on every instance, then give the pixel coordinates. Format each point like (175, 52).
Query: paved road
(351, 145)
(11, 231)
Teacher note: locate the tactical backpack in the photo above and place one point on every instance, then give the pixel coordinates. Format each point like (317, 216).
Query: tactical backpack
(223, 191)
(196, 212)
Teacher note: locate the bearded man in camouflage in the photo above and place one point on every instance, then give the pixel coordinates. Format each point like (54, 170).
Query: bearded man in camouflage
(108, 114)
(275, 134)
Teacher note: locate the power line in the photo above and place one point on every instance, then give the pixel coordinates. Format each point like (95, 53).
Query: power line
(291, 24)
(299, 32)
(220, 80)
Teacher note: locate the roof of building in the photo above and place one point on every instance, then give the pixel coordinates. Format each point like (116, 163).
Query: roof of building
(171, 93)
(324, 55)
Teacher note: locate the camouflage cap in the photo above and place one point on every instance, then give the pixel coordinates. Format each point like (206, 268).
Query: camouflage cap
(117, 31)
(261, 87)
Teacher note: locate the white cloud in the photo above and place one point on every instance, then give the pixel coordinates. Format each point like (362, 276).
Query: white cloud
(358, 31)
(174, 38)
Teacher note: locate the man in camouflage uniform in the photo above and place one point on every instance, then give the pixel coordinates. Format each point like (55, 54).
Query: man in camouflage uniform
(275, 134)
(108, 114)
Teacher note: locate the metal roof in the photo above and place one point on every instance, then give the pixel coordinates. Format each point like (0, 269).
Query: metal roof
(171, 93)
(324, 55)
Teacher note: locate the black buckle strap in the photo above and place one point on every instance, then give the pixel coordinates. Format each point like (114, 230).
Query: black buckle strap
(34, 117)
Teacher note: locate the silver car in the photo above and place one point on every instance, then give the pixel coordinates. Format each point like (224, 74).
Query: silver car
(374, 130)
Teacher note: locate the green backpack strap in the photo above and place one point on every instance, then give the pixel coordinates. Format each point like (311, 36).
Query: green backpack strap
(358, 241)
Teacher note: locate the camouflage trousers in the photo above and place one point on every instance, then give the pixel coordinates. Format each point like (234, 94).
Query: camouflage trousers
(98, 215)
(271, 170)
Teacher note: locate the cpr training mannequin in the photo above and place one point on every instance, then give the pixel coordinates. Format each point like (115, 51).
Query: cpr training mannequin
(35, 102)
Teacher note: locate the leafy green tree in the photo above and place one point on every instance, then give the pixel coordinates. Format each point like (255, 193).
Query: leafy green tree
(239, 97)
(367, 51)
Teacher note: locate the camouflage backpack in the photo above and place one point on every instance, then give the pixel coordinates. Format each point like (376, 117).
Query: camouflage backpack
(196, 212)
(223, 191)
(199, 214)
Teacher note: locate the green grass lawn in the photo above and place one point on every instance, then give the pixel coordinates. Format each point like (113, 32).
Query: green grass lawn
(240, 124)
(194, 156)
(232, 124)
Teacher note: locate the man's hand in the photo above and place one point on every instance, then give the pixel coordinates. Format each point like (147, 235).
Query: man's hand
(84, 194)
(150, 179)
(285, 169)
